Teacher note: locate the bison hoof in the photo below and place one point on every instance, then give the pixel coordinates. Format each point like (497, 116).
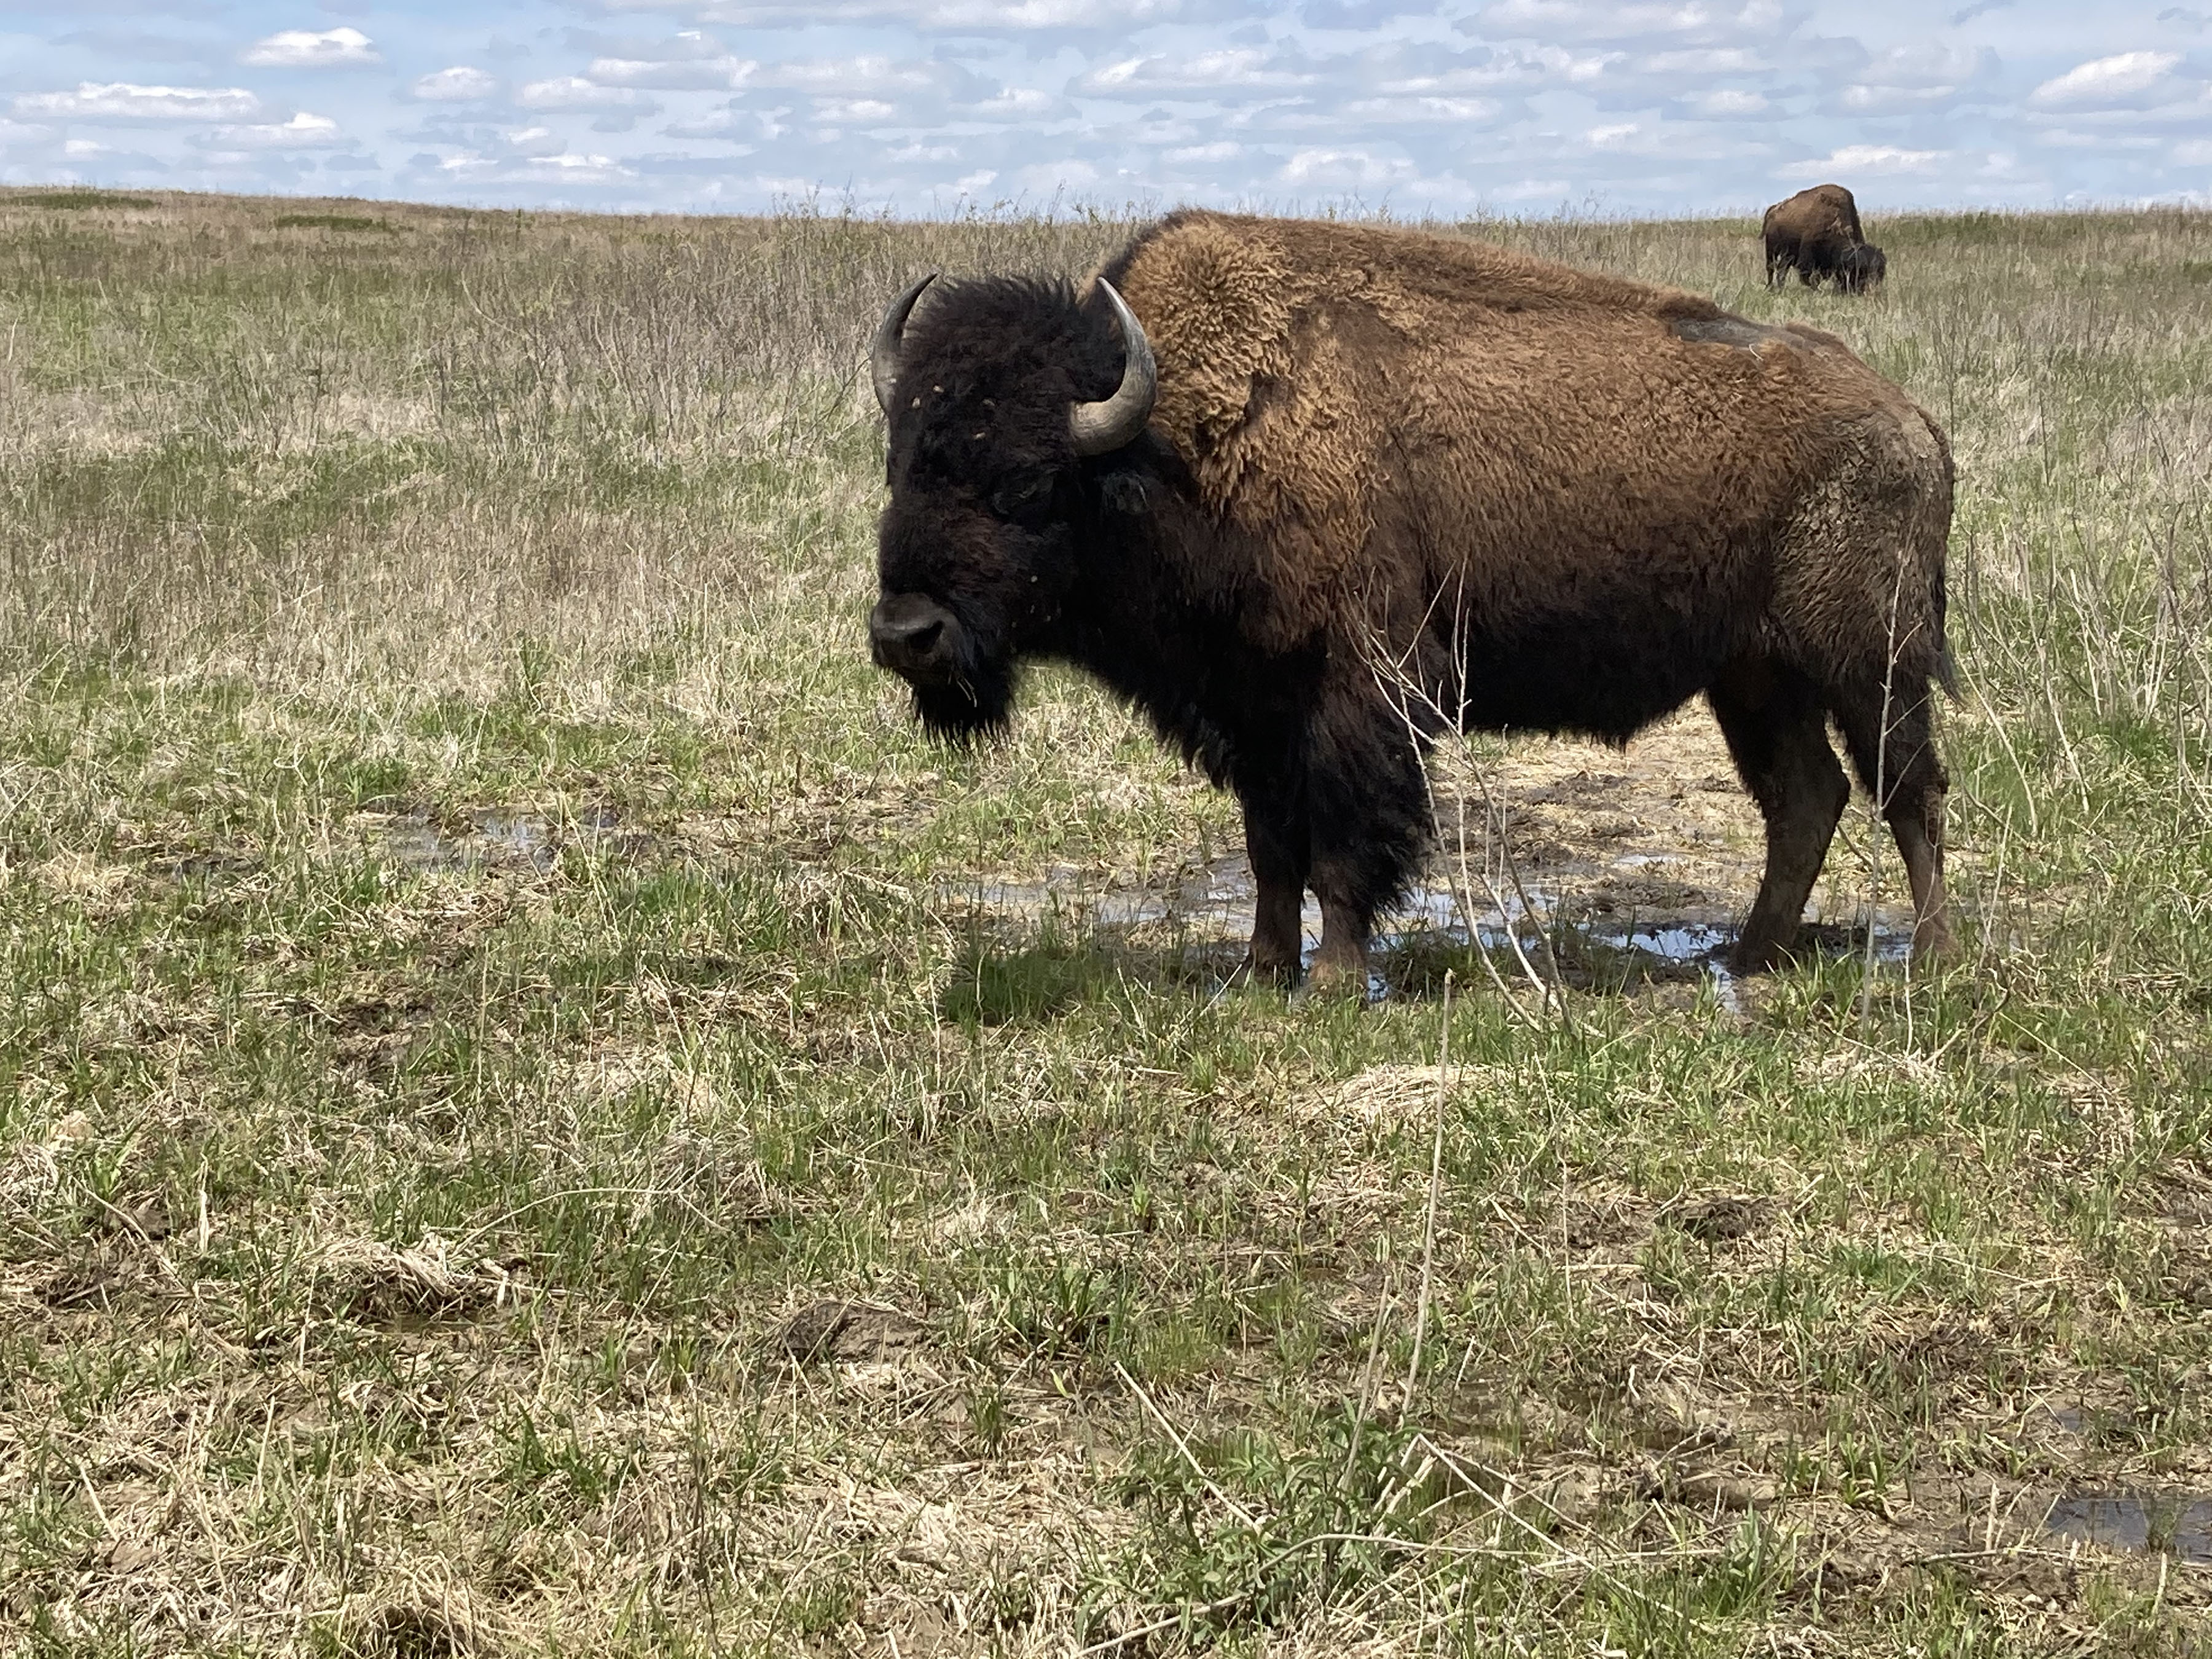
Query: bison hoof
(1265, 968)
(1754, 955)
(1335, 978)
(1932, 944)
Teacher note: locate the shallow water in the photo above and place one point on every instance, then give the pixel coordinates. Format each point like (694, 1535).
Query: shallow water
(535, 839)
(1689, 936)
(2179, 1524)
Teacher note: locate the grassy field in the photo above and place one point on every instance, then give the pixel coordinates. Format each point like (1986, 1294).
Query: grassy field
(538, 1114)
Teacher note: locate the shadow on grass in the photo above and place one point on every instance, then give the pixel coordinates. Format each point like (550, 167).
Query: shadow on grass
(1013, 978)
(1016, 977)
(1016, 987)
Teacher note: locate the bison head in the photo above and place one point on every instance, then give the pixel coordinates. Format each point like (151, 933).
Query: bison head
(1861, 268)
(1000, 397)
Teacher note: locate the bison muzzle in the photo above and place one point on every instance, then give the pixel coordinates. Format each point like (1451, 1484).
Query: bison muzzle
(1296, 455)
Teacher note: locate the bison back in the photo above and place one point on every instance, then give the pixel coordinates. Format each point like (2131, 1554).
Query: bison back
(1824, 211)
(1387, 426)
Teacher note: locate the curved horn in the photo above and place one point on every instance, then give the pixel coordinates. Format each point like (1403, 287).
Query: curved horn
(1109, 424)
(884, 355)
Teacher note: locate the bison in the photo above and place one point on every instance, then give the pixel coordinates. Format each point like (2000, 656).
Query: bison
(1254, 458)
(1816, 233)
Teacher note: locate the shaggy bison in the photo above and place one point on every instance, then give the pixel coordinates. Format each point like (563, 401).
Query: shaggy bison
(1305, 466)
(1816, 233)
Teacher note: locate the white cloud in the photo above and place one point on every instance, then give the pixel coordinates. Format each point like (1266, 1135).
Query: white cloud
(712, 74)
(1413, 112)
(690, 61)
(1706, 60)
(717, 124)
(1239, 68)
(1862, 99)
(855, 112)
(121, 100)
(2126, 81)
(302, 131)
(1021, 104)
(574, 92)
(857, 77)
(2197, 153)
(535, 142)
(967, 16)
(1908, 80)
(563, 167)
(460, 84)
(1444, 72)
(1344, 169)
(1869, 159)
(20, 135)
(2103, 138)
(1726, 104)
(339, 48)
(1685, 21)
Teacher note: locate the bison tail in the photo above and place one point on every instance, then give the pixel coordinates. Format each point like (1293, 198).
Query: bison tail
(1946, 671)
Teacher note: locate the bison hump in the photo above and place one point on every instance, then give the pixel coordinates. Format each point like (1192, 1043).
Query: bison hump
(1265, 371)
(1217, 307)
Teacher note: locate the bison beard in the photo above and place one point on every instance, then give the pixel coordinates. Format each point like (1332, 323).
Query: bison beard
(1554, 500)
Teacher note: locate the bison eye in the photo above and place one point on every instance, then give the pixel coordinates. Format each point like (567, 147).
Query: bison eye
(1023, 499)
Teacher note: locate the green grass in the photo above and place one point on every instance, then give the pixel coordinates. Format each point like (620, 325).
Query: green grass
(483, 950)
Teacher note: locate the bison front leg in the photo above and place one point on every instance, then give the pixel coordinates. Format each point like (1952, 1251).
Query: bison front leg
(1276, 841)
(1341, 965)
(1369, 801)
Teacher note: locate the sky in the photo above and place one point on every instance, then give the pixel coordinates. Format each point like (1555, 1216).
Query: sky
(1443, 107)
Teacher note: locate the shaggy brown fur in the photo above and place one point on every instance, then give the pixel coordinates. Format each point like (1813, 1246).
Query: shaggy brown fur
(1816, 233)
(1556, 501)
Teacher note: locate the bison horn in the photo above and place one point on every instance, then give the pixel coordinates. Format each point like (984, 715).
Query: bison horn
(1109, 424)
(883, 356)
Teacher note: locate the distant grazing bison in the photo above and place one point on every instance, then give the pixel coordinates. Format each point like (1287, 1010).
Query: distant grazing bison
(1816, 233)
(1307, 466)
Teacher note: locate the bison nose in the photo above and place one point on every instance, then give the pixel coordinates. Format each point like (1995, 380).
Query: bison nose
(912, 635)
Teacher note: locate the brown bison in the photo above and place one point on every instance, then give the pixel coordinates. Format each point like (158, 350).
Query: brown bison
(1816, 233)
(1552, 501)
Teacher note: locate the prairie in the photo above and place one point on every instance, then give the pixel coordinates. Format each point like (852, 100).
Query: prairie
(538, 1114)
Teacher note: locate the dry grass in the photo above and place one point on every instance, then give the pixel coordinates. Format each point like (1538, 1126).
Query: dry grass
(538, 1115)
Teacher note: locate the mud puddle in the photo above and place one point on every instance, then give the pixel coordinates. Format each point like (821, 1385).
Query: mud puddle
(1590, 929)
(2179, 1524)
(413, 838)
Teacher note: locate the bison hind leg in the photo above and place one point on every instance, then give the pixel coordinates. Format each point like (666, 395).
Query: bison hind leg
(1892, 748)
(1775, 724)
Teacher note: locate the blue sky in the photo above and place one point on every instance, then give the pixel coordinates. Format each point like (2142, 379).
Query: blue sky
(1441, 107)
